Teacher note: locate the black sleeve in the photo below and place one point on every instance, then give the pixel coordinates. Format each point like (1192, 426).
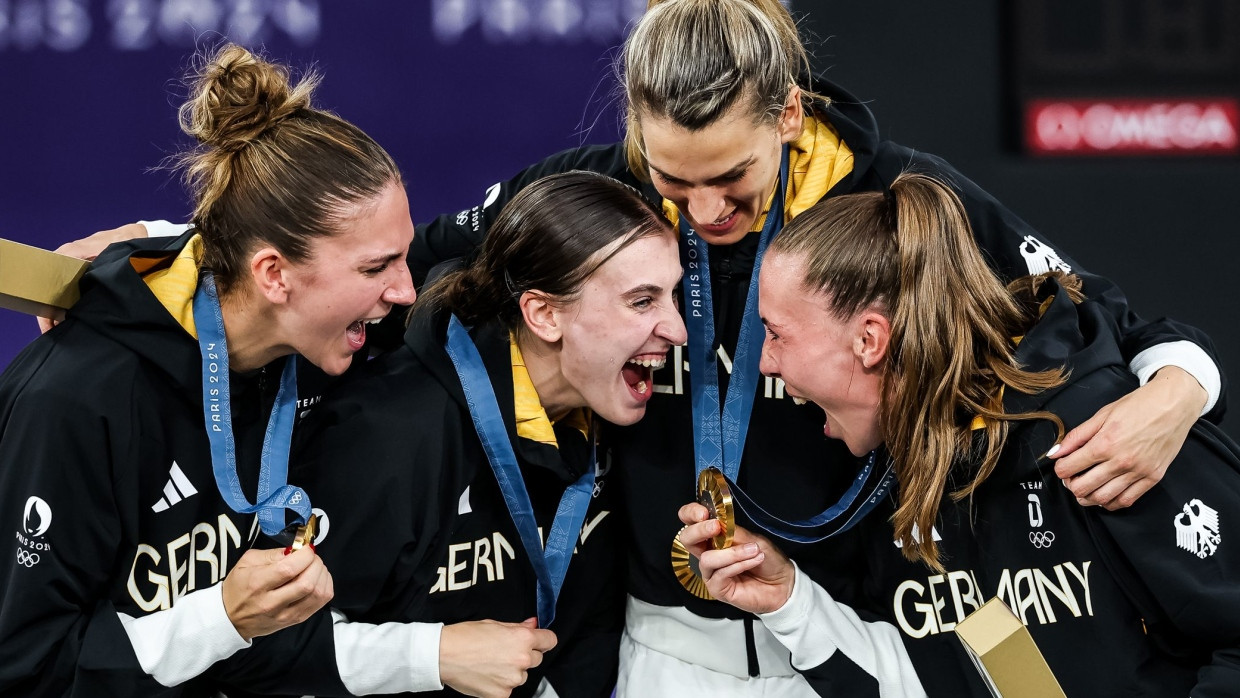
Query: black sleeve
(1014, 249)
(1173, 554)
(58, 632)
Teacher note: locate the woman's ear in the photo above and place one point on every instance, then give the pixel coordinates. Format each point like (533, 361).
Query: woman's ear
(539, 314)
(269, 269)
(792, 118)
(873, 337)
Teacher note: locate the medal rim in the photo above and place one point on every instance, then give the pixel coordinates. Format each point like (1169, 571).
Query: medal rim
(711, 482)
(690, 580)
(306, 533)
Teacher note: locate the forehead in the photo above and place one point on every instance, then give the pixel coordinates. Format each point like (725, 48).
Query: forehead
(707, 152)
(782, 296)
(648, 259)
(376, 226)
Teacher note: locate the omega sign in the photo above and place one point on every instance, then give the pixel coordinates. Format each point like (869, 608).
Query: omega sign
(1133, 127)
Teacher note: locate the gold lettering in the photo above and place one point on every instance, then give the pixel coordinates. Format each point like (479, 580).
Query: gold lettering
(228, 531)
(1083, 575)
(175, 569)
(160, 600)
(204, 554)
(500, 545)
(924, 609)
(482, 558)
(454, 567)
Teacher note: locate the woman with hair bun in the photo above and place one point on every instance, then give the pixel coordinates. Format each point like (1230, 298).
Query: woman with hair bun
(864, 297)
(475, 442)
(144, 441)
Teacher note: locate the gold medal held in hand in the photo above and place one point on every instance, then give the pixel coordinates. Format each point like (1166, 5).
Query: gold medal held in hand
(716, 496)
(305, 535)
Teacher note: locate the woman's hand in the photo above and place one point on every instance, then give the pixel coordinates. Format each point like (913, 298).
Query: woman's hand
(752, 575)
(1122, 451)
(269, 591)
(88, 248)
(487, 658)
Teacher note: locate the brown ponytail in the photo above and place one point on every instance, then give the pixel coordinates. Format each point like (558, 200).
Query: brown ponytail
(912, 254)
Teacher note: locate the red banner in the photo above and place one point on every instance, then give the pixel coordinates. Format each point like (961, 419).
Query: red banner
(1133, 127)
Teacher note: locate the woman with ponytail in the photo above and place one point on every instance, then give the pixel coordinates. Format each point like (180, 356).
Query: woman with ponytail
(144, 441)
(448, 462)
(882, 311)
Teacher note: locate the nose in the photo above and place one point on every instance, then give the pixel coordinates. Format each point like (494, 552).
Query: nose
(768, 365)
(706, 204)
(400, 290)
(672, 329)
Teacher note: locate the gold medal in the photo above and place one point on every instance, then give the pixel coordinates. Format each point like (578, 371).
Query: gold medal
(305, 534)
(716, 496)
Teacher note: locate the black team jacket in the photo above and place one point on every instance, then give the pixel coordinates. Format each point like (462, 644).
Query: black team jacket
(419, 530)
(110, 503)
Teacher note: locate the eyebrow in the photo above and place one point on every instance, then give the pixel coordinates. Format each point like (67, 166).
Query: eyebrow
(653, 289)
(733, 172)
(382, 258)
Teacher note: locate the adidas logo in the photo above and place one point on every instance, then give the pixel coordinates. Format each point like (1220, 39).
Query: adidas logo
(934, 535)
(177, 488)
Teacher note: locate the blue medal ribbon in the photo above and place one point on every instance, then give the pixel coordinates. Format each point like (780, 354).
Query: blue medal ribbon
(275, 495)
(866, 491)
(719, 435)
(550, 563)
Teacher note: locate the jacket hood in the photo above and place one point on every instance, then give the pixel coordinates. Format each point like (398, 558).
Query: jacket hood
(117, 303)
(857, 128)
(1080, 337)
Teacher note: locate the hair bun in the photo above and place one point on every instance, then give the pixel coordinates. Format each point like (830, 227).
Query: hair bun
(237, 96)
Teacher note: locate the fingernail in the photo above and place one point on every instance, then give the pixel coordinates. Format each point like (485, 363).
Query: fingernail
(1065, 484)
(1051, 453)
(751, 548)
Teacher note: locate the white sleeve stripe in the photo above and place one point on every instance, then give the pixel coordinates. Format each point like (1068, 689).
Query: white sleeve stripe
(163, 229)
(813, 626)
(1183, 354)
(179, 643)
(387, 658)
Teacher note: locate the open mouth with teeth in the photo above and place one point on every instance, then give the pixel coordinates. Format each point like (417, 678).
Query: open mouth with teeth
(356, 333)
(721, 224)
(638, 374)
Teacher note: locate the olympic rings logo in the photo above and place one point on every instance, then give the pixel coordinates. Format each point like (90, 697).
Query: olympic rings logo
(27, 558)
(295, 499)
(1041, 539)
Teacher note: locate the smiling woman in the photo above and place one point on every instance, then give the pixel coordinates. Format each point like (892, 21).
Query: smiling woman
(478, 437)
(134, 435)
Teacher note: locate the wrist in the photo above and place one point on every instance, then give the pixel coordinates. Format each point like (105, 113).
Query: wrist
(1185, 389)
